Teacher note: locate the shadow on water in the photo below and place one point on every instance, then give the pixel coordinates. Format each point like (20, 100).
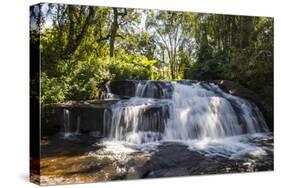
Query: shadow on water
(57, 146)
(66, 160)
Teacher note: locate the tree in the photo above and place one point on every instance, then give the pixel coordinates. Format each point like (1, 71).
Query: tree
(80, 19)
(82, 47)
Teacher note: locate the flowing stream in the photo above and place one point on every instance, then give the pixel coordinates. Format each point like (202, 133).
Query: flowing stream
(146, 129)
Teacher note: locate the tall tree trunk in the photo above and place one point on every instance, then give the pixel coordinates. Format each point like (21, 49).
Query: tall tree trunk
(114, 29)
(246, 31)
(74, 39)
(172, 70)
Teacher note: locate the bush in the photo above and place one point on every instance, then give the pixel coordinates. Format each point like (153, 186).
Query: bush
(51, 90)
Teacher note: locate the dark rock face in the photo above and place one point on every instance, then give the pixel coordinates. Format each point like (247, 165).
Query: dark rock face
(240, 91)
(87, 118)
(158, 90)
(95, 118)
(123, 87)
(152, 89)
(51, 120)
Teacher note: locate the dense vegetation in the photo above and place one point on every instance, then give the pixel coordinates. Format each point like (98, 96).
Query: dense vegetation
(83, 47)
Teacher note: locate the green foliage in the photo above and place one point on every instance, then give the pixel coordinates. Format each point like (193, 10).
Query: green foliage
(132, 66)
(50, 90)
(237, 48)
(86, 46)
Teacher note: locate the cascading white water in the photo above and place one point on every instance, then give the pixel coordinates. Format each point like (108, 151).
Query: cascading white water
(66, 118)
(107, 95)
(127, 120)
(67, 132)
(199, 113)
(153, 89)
(248, 112)
(195, 111)
(141, 88)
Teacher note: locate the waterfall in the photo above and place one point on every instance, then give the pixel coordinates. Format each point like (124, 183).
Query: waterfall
(66, 123)
(136, 120)
(207, 112)
(107, 94)
(154, 89)
(141, 88)
(77, 132)
(68, 130)
(183, 111)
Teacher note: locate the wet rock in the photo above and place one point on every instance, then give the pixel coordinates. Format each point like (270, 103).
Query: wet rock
(151, 89)
(123, 87)
(85, 160)
(83, 117)
(173, 159)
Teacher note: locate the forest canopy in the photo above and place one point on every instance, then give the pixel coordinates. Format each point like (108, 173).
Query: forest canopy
(82, 47)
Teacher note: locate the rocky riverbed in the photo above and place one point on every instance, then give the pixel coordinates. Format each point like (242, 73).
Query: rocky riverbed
(81, 159)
